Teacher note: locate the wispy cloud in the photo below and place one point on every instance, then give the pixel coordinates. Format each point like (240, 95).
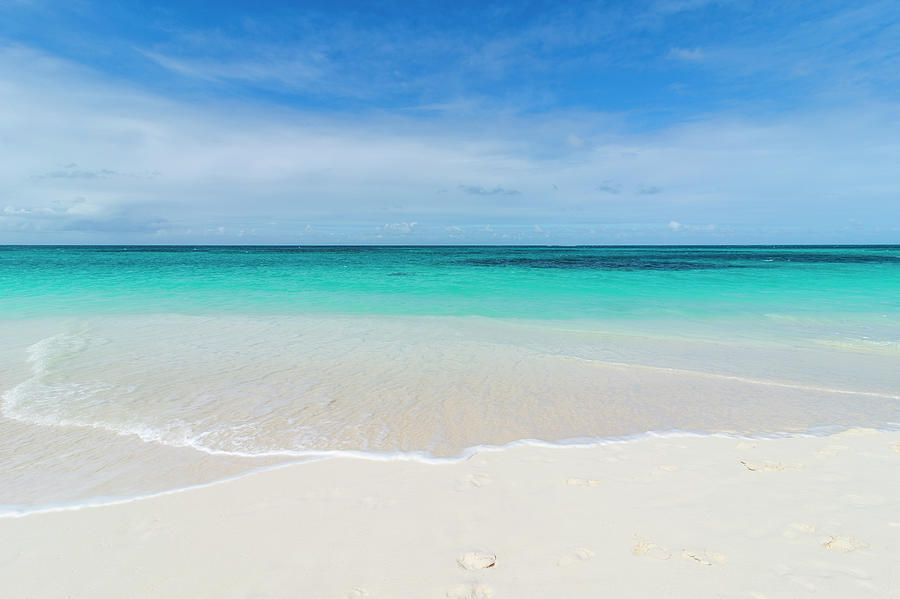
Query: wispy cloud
(674, 225)
(220, 168)
(478, 190)
(610, 186)
(403, 228)
(78, 174)
(277, 71)
(677, 6)
(690, 54)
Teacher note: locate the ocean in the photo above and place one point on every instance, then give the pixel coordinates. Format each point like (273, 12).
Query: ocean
(131, 370)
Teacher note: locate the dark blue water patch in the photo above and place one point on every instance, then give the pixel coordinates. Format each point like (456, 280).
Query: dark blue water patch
(676, 258)
(806, 255)
(600, 263)
(394, 259)
(830, 258)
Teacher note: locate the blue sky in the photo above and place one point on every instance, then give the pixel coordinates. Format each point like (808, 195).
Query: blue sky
(666, 121)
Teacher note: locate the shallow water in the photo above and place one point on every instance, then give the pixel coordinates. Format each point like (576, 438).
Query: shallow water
(135, 370)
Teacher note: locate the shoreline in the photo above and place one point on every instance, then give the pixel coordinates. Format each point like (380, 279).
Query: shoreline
(129, 400)
(686, 515)
(299, 458)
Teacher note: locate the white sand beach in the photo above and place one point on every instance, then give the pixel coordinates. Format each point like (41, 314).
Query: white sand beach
(680, 516)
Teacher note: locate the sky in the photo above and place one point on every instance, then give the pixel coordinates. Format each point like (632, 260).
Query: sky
(638, 122)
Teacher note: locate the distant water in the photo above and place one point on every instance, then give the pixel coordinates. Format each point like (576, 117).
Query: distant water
(519, 282)
(135, 369)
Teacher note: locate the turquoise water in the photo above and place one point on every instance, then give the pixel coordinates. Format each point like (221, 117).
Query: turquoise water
(136, 369)
(508, 282)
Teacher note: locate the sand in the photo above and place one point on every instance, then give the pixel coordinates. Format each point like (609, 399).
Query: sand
(655, 517)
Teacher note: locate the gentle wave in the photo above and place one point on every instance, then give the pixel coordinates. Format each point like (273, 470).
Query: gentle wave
(35, 401)
(116, 407)
(15, 511)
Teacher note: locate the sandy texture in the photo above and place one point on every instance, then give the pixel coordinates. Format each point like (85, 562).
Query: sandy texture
(667, 517)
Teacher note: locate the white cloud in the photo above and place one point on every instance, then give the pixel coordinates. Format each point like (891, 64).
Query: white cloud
(478, 190)
(677, 226)
(271, 71)
(94, 157)
(399, 228)
(689, 54)
(575, 141)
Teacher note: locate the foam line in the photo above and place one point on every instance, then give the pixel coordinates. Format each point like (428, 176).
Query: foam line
(15, 511)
